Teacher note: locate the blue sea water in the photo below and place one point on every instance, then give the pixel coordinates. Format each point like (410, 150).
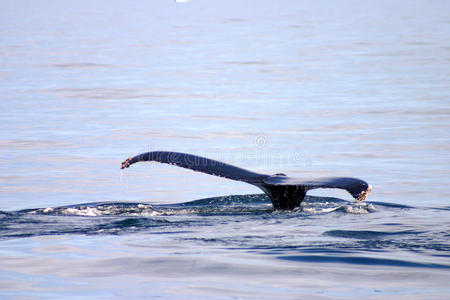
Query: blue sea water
(309, 89)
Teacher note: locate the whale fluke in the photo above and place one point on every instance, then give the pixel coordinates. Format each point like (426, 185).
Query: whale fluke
(284, 192)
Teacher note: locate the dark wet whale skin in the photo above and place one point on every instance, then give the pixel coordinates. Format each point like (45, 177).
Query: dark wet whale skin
(284, 192)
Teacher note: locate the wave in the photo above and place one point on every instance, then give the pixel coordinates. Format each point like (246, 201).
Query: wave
(359, 260)
(313, 232)
(126, 217)
(233, 204)
(369, 234)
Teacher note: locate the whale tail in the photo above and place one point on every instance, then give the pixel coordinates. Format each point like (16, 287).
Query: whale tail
(284, 192)
(197, 163)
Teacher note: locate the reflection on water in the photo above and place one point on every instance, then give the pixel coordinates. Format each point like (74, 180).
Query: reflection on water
(119, 218)
(217, 240)
(307, 89)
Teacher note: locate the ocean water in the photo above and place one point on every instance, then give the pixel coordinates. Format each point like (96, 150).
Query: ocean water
(309, 89)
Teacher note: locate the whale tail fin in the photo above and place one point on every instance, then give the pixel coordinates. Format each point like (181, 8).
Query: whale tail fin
(199, 164)
(284, 192)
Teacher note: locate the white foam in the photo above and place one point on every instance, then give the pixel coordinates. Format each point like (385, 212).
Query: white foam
(48, 210)
(359, 208)
(88, 211)
(318, 210)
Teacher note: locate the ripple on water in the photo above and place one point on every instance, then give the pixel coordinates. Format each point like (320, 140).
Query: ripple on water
(116, 217)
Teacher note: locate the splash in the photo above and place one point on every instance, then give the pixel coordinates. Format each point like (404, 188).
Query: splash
(253, 204)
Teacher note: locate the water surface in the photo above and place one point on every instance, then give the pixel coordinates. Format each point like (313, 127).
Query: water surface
(307, 89)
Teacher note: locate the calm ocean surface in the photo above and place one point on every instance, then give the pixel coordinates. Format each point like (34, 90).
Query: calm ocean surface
(307, 88)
